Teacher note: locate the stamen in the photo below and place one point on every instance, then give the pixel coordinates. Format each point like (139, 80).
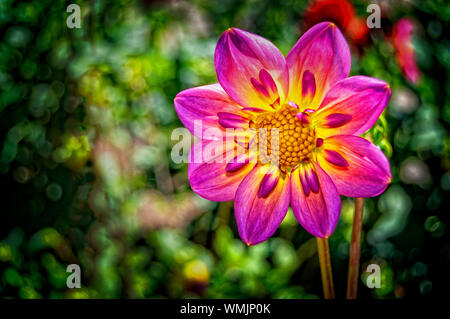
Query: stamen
(293, 140)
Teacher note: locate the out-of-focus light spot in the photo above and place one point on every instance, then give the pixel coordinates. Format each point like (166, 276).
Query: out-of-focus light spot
(395, 205)
(445, 181)
(419, 269)
(196, 270)
(5, 252)
(399, 291)
(289, 220)
(21, 174)
(29, 293)
(415, 171)
(58, 88)
(71, 103)
(435, 199)
(425, 287)
(41, 99)
(79, 293)
(12, 277)
(17, 36)
(343, 250)
(40, 180)
(403, 101)
(53, 191)
(434, 226)
(284, 255)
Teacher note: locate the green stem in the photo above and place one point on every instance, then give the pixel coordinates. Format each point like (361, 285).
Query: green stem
(325, 267)
(355, 248)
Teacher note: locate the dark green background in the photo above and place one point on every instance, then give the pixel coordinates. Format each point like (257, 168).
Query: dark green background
(86, 176)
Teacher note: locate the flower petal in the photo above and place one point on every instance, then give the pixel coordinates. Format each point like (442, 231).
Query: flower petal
(402, 35)
(210, 104)
(314, 199)
(323, 52)
(357, 167)
(261, 204)
(216, 169)
(251, 69)
(352, 106)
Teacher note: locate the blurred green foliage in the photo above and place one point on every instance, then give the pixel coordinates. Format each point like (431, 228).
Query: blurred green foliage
(86, 176)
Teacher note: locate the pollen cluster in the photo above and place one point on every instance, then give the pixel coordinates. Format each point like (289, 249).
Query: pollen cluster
(296, 140)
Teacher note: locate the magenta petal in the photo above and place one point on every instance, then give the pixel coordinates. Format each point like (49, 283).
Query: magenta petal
(303, 117)
(312, 179)
(317, 212)
(259, 87)
(335, 158)
(402, 35)
(241, 56)
(259, 217)
(268, 183)
(323, 52)
(203, 104)
(305, 184)
(211, 177)
(359, 98)
(308, 85)
(337, 120)
(366, 171)
(232, 116)
(267, 81)
(233, 123)
(237, 163)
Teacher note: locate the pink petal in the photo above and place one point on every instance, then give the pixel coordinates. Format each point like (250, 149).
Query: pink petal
(208, 103)
(323, 52)
(251, 69)
(258, 217)
(308, 87)
(211, 175)
(314, 199)
(402, 35)
(352, 106)
(365, 171)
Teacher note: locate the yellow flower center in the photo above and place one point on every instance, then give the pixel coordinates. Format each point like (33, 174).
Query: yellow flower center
(296, 140)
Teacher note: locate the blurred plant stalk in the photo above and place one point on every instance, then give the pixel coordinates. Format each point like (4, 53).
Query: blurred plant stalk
(355, 248)
(325, 268)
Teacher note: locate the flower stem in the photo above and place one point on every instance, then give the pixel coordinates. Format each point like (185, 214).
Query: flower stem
(355, 247)
(325, 267)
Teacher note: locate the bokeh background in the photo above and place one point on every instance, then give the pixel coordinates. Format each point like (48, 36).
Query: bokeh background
(86, 117)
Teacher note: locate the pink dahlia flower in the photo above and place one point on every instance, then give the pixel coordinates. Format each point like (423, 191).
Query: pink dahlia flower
(304, 115)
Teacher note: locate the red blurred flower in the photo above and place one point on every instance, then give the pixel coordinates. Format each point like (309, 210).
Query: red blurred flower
(402, 38)
(340, 12)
